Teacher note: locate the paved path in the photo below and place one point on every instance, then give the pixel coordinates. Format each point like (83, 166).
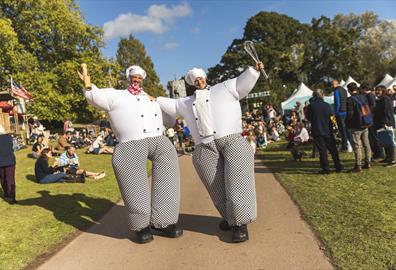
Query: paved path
(279, 239)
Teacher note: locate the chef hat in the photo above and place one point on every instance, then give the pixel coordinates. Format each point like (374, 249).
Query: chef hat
(135, 70)
(193, 74)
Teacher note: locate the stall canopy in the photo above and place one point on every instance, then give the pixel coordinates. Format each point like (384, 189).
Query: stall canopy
(391, 84)
(301, 94)
(386, 80)
(348, 81)
(301, 91)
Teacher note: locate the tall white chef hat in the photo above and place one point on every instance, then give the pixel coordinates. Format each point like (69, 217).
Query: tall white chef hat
(193, 74)
(135, 70)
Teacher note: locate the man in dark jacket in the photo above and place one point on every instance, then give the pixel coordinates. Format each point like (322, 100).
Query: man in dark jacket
(340, 108)
(319, 113)
(384, 119)
(7, 166)
(368, 92)
(359, 132)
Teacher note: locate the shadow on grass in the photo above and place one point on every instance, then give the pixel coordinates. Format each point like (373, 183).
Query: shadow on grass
(77, 209)
(279, 159)
(31, 177)
(81, 212)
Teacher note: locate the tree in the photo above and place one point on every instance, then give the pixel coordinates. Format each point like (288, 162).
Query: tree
(378, 50)
(132, 52)
(46, 42)
(279, 41)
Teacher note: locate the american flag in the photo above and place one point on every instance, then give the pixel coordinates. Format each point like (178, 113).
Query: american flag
(19, 91)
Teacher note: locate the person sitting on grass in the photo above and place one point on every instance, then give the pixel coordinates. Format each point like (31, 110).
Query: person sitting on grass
(46, 174)
(38, 146)
(98, 147)
(63, 142)
(69, 161)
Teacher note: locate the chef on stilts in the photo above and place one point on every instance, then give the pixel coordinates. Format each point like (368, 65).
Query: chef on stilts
(222, 158)
(137, 123)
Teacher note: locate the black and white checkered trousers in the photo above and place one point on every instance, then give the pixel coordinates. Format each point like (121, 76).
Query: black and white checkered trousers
(160, 206)
(226, 168)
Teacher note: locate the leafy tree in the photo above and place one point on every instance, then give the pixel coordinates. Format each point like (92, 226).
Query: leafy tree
(13, 57)
(132, 52)
(47, 41)
(279, 41)
(378, 50)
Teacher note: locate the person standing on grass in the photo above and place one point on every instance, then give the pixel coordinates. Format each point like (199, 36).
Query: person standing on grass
(384, 119)
(340, 109)
(359, 130)
(222, 158)
(137, 123)
(377, 152)
(319, 114)
(7, 166)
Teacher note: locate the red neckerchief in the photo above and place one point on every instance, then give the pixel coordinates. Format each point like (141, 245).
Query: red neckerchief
(135, 89)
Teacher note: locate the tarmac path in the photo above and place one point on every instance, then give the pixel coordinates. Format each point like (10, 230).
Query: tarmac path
(279, 239)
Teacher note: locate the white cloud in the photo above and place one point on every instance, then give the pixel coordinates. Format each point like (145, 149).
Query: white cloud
(157, 20)
(171, 45)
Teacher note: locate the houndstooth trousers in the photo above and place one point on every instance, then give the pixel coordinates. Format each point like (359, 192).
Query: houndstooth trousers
(160, 207)
(226, 168)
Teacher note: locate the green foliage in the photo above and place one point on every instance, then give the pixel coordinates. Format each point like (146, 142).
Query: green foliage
(45, 43)
(357, 45)
(279, 42)
(132, 52)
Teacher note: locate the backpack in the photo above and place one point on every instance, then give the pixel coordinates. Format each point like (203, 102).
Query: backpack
(365, 115)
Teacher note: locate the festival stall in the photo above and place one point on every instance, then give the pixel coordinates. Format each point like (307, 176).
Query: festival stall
(301, 94)
(386, 80)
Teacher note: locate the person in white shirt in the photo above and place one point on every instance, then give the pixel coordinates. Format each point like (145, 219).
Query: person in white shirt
(303, 135)
(223, 159)
(137, 123)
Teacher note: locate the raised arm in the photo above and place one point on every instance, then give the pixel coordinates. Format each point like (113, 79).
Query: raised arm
(247, 80)
(99, 98)
(168, 105)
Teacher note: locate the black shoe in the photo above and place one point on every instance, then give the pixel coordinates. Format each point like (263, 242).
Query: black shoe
(356, 169)
(224, 226)
(324, 172)
(384, 161)
(172, 231)
(377, 159)
(12, 201)
(339, 169)
(144, 236)
(391, 164)
(366, 166)
(240, 233)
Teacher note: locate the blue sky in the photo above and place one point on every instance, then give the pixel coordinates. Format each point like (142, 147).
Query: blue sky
(179, 35)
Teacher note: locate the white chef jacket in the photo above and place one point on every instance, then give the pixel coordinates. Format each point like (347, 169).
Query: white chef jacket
(132, 117)
(224, 106)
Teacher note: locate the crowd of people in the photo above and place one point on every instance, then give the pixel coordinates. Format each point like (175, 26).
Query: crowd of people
(361, 118)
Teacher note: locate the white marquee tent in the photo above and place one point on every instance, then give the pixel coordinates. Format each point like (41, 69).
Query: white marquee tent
(386, 80)
(391, 84)
(301, 91)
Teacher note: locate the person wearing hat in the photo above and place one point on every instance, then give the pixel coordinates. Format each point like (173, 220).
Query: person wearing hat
(7, 166)
(223, 159)
(137, 124)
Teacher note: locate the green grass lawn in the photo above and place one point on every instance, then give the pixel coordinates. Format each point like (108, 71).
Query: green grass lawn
(48, 214)
(353, 214)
